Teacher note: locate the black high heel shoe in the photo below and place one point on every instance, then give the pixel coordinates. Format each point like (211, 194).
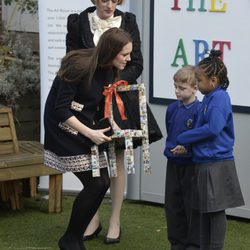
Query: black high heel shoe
(108, 240)
(94, 234)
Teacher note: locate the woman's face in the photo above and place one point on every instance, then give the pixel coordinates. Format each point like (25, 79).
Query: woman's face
(105, 8)
(123, 57)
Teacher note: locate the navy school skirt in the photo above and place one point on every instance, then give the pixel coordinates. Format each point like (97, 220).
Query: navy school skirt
(216, 187)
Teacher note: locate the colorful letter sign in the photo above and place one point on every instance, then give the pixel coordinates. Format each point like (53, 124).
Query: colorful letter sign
(182, 32)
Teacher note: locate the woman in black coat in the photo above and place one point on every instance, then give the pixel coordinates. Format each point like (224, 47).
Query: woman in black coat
(80, 35)
(69, 120)
(84, 30)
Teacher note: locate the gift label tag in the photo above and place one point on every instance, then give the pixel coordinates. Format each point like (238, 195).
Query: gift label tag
(96, 172)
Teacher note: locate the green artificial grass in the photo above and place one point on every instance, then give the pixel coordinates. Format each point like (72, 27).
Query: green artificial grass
(143, 227)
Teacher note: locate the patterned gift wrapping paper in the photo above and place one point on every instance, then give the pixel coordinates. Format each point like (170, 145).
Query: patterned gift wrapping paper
(128, 135)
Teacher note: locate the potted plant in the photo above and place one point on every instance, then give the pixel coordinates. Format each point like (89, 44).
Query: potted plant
(19, 70)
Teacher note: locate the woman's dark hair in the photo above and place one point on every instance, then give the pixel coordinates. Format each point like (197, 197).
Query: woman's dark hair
(214, 66)
(81, 64)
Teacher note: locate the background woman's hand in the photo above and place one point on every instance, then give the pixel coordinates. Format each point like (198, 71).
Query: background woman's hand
(115, 126)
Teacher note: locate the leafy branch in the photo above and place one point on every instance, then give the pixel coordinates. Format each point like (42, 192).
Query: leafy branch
(24, 5)
(31, 6)
(19, 70)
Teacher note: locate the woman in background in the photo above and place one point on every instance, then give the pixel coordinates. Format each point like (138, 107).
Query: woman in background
(84, 31)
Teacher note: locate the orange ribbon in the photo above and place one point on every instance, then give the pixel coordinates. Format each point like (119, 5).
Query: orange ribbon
(108, 92)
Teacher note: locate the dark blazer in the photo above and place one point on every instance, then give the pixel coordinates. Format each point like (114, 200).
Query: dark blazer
(72, 99)
(79, 36)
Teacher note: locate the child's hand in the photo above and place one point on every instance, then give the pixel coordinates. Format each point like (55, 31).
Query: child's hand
(179, 150)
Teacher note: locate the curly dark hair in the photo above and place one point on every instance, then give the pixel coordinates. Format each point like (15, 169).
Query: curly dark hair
(214, 66)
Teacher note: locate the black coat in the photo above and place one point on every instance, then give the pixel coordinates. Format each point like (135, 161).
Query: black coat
(79, 36)
(72, 99)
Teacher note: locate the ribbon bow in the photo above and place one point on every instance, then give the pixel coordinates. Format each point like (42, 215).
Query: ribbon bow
(108, 93)
(98, 26)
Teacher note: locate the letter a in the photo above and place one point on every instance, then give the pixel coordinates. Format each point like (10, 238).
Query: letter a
(180, 53)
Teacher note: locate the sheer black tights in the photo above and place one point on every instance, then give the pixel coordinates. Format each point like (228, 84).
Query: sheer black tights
(85, 206)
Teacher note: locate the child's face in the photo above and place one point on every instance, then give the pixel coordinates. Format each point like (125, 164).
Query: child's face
(185, 92)
(205, 84)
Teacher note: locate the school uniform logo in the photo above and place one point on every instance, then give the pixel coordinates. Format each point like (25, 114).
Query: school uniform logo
(190, 123)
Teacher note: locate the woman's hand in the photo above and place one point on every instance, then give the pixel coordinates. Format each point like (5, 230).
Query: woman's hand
(98, 136)
(179, 150)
